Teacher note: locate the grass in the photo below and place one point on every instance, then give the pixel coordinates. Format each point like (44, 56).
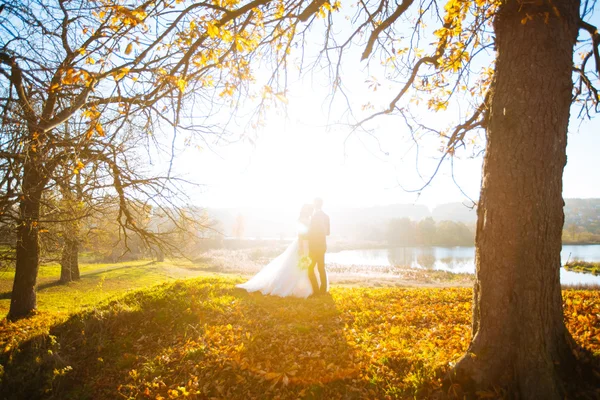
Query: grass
(98, 282)
(583, 266)
(202, 338)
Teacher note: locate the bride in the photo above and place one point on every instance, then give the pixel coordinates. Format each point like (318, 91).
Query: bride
(286, 275)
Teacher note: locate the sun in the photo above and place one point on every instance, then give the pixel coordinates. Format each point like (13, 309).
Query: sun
(289, 167)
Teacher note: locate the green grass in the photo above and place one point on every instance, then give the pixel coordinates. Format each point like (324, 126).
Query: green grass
(98, 282)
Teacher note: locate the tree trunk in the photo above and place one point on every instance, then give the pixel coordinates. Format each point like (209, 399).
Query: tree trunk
(69, 263)
(519, 338)
(23, 298)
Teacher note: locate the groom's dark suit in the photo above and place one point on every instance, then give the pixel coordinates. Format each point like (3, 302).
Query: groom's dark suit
(317, 245)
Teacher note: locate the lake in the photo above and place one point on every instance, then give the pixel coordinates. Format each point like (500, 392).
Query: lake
(456, 259)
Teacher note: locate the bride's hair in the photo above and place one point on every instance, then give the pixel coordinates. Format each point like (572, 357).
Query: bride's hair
(306, 211)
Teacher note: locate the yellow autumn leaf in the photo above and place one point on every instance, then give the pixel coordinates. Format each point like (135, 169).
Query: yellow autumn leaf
(98, 128)
(129, 48)
(281, 98)
(226, 36)
(272, 375)
(121, 73)
(212, 30)
(181, 83)
(239, 46)
(78, 167)
(440, 32)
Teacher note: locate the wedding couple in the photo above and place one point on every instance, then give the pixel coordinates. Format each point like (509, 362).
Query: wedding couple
(292, 273)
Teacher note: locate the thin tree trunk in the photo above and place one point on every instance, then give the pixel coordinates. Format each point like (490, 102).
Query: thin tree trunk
(23, 298)
(72, 197)
(69, 264)
(519, 337)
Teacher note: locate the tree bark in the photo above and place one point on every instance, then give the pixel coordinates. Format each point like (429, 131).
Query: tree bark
(69, 263)
(519, 339)
(23, 297)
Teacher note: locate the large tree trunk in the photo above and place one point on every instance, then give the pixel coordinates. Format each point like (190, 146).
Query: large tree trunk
(23, 298)
(69, 263)
(519, 337)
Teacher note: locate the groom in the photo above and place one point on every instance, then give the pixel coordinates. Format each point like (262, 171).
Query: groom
(317, 245)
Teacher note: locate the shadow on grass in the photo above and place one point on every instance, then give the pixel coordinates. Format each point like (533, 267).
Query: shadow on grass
(202, 338)
(84, 277)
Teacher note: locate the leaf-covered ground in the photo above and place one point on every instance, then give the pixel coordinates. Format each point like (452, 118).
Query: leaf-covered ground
(202, 338)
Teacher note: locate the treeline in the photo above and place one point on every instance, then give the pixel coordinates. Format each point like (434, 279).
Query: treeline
(582, 221)
(575, 234)
(98, 235)
(427, 232)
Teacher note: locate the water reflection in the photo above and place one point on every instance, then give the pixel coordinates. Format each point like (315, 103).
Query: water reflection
(426, 259)
(455, 259)
(400, 256)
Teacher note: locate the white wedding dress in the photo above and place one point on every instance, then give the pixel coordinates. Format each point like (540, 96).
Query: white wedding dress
(282, 277)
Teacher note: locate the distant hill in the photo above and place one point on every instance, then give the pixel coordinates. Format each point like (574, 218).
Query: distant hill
(457, 212)
(372, 222)
(584, 213)
(582, 221)
(346, 223)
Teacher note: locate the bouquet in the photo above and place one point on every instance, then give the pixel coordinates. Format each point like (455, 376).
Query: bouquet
(304, 262)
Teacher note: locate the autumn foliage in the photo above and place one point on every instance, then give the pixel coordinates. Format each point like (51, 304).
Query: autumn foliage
(205, 339)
